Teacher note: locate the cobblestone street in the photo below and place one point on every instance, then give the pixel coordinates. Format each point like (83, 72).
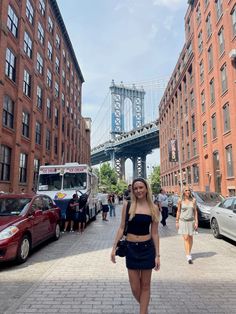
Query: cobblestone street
(75, 275)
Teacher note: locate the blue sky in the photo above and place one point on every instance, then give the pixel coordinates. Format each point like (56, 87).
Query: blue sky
(124, 40)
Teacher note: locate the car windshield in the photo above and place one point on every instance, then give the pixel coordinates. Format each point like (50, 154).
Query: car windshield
(13, 206)
(208, 197)
(50, 182)
(74, 181)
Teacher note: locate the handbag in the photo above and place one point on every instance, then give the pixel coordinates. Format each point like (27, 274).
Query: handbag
(121, 247)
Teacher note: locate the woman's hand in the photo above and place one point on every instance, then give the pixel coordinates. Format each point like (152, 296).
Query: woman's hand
(195, 226)
(177, 225)
(157, 263)
(113, 256)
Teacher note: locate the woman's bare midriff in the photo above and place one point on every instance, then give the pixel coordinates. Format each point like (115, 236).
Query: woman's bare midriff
(137, 238)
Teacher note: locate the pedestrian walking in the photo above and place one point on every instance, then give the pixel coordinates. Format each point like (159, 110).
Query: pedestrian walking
(142, 241)
(163, 206)
(81, 212)
(105, 207)
(111, 203)
(187, 220)
(127, 193)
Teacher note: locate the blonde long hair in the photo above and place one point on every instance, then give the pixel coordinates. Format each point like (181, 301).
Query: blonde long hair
(191, 197)
(154, 212)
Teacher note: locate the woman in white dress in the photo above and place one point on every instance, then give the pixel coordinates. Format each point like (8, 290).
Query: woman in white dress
(187, 220)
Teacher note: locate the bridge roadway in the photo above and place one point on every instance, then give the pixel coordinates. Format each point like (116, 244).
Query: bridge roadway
(140, 141)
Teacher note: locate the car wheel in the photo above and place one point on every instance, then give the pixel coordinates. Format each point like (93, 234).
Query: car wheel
(215, 228)
(23, 250)
(57, 232)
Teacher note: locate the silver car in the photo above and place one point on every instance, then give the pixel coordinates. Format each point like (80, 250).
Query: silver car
(223, 219)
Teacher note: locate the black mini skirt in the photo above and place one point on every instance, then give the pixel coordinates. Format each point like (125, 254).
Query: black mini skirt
(140, 255)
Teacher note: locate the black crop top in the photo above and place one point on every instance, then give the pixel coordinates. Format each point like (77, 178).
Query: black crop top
(140, 224)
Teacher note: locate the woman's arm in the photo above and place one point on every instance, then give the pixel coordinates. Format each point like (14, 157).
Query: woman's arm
(119, 233)
(156, 241)
(178, 214)
(195, 215)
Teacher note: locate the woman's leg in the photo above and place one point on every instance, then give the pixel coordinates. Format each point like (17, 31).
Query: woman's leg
(186, 244)
(145, 290)
(134, 280)
(190, 244)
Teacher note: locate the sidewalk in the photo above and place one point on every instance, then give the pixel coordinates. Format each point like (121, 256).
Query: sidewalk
(83, 280)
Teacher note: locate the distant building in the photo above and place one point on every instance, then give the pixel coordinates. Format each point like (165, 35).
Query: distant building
(40, 94)
(198, 107)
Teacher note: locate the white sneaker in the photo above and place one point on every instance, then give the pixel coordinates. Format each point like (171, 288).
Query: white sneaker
(71, 230)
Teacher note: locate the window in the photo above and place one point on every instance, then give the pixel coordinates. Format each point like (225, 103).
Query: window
(50, 24)
(39, 64)
(200, 42)
(187, 128)
(36, 171)
(195, 174)
(49, 51)
(210, 57)
(56, 90)
(221, 41)
(12, 21)
(204, 133)
(55, 145)
(192, 100)
(63, 124)
(49, 78)
(63, 77)
(10, 69)
(203, 101)
(198, 14)
(201, 71)
(224, 83)
(189, 175)
(213, 125)
(212, 90)
(40, 33)
(194, 147)
(208, 25)
(42, 7)
(38, 131)
(23, 168)
(219, 8)
(226, 117)
(8, 112)
(29, 11)
(57, 65)
(5, 163)
(233, 17)
(183, 154)
(193, 123)
(25, 124)
(188, 152)
(229, 161)
(49, 110)
(63, 99)
(27, 83)
(58, 41)
(39, 97)
(48, 140)
(56, 117)
(28, 45)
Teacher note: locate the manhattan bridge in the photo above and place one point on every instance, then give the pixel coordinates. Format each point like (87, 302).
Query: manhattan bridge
(129, 128)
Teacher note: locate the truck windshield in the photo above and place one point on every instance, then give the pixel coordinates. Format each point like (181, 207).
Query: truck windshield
(75, 181)
(50, 182)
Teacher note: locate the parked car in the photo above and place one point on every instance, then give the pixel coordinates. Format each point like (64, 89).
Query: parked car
(223, 219)
(173, 204)
(26, 221)
(205, 202)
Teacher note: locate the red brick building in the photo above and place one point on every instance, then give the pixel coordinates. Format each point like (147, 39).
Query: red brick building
(40, 94)
(198, 107)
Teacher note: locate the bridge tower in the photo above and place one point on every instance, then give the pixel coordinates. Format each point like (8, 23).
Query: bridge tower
(118, 95)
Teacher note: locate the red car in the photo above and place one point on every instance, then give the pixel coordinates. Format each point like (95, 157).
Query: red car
(26, 221)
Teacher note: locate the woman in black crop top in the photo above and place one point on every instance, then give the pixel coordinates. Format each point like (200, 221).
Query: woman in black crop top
(142, 238)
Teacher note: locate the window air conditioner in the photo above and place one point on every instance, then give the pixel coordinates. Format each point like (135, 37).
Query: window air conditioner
(232, 54)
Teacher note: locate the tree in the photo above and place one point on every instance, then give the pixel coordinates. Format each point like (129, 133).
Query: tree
(155, 180)
(108, 177)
